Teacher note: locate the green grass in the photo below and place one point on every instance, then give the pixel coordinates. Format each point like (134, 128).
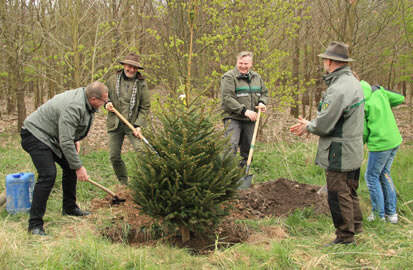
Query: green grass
(283, 160)
(76, 244)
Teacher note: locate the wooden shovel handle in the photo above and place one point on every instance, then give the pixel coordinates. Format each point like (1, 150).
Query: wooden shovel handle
(125, 121)
(133, 129)
(254, 136)
(101, 187)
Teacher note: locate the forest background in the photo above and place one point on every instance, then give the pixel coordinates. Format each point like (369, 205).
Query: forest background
(47, 47)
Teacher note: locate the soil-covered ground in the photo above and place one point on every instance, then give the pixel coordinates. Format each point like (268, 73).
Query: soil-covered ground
(273, 198)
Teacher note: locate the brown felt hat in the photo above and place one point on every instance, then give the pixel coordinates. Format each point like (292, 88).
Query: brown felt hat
(337, 51)
(133, 60)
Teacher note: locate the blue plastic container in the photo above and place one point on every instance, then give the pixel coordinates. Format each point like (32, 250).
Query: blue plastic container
(19, 192)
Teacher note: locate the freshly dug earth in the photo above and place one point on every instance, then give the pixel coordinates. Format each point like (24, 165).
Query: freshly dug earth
(272, 198)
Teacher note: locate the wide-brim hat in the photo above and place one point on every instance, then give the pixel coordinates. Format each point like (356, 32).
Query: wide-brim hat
(133, 60)
(337, 51)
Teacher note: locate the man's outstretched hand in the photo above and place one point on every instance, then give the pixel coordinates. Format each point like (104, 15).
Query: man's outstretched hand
(300, 128)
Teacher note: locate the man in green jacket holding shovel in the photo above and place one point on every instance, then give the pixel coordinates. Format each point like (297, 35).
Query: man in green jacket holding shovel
(339, 123)
(383, 139)
(129, 94)
(51, 135)
(243, 91)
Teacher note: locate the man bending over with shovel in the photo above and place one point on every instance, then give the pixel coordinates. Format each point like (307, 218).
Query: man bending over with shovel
(51, 135)
(129, 95)
(243, 91)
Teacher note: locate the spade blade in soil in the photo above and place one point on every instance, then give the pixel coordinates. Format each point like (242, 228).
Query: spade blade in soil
(245, 181)
(117, 200)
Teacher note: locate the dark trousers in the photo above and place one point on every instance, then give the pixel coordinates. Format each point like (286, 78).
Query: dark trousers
(241, 136)
(44, 160)
(344, 203)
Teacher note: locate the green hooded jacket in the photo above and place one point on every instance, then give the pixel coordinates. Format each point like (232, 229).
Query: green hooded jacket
(339, 123)
(380, 128)
(240, 93)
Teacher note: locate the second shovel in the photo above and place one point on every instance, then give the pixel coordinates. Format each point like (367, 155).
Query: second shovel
(247, 179)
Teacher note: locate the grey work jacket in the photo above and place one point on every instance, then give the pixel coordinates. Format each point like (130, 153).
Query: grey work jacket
(339, 123)
(62, 121)
(241, 93)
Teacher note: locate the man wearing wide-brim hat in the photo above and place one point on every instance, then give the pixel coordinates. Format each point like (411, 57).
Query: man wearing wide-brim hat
(128, 93)
(339, 123)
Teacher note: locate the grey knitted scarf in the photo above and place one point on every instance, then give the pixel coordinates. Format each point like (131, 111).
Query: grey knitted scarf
(132, 101)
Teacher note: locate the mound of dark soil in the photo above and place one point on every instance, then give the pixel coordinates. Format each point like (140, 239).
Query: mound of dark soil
(272, 198)
(278, 198)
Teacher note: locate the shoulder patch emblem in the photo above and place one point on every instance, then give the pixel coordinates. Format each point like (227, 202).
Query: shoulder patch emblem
(325, 105)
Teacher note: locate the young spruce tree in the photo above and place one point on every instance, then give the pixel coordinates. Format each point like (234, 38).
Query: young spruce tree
(186, 181)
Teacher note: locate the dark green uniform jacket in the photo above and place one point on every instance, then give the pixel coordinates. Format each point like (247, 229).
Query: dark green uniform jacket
(62, 121)
(339, 123)
(142, 104)
(380, 128)
(240, 93)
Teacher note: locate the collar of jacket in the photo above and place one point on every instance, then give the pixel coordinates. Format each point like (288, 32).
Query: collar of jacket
(88, 106)
(328, 78)
(237, 73)
(366, 89)
(138, 75)
(126, 78)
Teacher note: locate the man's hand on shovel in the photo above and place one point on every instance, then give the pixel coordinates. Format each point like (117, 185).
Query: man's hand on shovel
(262, 107)
(109, 106)
(138, 132)
(253, 115)
(81, 174)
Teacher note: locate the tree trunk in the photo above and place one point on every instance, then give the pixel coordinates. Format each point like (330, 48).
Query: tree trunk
(295, 108)
(404, 88)
(185, 234)
(76, 54)
(306, 97)
(21, 105)
(21, 109)
(318, 91)
(11, 82)
(305, 100)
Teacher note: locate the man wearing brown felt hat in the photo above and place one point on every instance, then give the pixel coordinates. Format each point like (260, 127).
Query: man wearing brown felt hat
(128, 93)
(339, 124)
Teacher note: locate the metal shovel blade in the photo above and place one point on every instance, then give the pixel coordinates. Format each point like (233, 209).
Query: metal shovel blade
(245, 181)
(117, 200)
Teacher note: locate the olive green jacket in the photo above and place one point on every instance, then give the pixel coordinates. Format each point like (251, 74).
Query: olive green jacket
(62, 121)
(339, 123)
(241, 93)
(142, 105)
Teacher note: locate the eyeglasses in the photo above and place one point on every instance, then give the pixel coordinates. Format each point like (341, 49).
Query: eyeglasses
(105, 101)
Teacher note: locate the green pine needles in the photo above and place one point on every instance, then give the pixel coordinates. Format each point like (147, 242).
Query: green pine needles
(188, 183)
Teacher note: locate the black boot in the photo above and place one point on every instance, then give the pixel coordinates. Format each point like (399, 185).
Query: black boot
(77, 212)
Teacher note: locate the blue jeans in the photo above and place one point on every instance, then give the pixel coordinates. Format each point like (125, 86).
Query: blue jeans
(379, 182)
